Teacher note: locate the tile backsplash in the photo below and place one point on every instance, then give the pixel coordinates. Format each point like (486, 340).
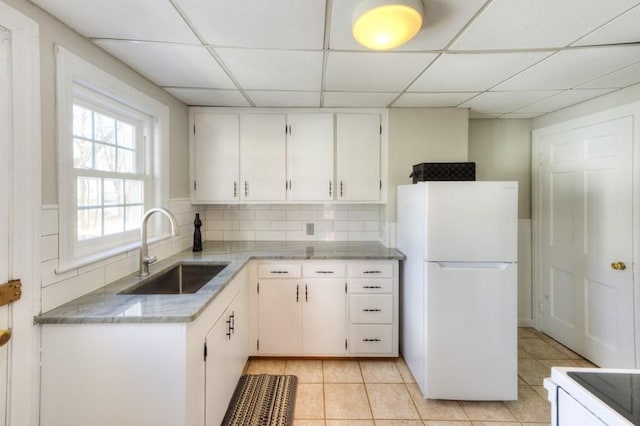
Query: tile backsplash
(291, 222)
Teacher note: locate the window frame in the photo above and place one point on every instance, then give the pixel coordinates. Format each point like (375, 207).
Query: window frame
(77, 79)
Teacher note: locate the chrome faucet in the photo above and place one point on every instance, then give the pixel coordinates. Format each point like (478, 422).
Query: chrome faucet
(145, 259)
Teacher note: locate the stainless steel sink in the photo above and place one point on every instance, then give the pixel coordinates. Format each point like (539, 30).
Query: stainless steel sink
(185, 278)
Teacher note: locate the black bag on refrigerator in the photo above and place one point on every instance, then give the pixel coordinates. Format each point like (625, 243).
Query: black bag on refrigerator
(443, 171)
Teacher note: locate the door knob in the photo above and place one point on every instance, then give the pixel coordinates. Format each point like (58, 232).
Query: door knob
(5, 335)
(618, 266)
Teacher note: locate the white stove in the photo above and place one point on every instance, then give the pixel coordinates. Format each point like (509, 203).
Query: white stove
(594, 396)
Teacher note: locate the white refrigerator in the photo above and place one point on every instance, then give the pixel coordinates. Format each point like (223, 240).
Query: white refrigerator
(459, 288)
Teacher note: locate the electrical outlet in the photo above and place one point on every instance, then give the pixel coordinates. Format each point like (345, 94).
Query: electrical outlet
(310, 229)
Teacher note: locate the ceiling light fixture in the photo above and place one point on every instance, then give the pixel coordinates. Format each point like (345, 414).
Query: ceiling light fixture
(385, 24)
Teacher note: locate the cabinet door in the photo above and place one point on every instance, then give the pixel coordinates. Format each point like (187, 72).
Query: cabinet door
(215, 157)
(310, 157)
(263, 157)
(280, 317)
(358, 158)
(324, 317)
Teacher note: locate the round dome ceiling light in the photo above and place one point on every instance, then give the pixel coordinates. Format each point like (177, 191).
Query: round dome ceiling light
(385, 24)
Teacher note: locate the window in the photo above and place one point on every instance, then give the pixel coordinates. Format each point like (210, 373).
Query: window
(110, 165)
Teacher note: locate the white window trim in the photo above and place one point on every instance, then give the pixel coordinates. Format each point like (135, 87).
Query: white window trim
(73, 70)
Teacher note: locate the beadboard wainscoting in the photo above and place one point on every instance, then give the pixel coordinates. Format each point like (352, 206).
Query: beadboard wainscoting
(59, 288)
(291, 222)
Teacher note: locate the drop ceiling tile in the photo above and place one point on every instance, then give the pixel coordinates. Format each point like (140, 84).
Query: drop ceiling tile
(519, 24)
(504, 102)
(520, 116)
(481, 115)
(617, 79)
(282, 24)
(284, 99)
(209, 97)
(150, 20)
(443, 19)
(358, 99)
(563, 100)
(257, 69)
(168, 64)
(623, 29)
(440, 100)
(374, 71)
(473, 71)
(571, 68)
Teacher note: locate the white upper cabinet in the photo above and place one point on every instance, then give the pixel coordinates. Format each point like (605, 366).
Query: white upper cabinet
(310, 157)
(277, 157)
(263, 157)
(215, 157)
(358, 157)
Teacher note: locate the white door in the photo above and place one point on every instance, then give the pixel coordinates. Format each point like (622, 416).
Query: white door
(586, 232)
(263, 157)
(310, 157)
(216, 157)
(5, 203)
(19, 211)
(358, 157)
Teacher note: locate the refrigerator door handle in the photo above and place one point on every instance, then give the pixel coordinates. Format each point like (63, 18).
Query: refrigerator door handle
(475, 265)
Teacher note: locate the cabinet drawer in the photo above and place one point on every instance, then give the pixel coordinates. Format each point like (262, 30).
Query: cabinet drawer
(371, 309)
(324, 270)
(279, 270)
(371, 339)
(368, 285)
(371, 270)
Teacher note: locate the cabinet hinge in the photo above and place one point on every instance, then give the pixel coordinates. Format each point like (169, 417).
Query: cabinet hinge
(381, 129)
(346, 346)
(194, 129)
(195, 185)
(258, 345)
(345, 288)
(380, 185)
(257, 288)
(205, 351)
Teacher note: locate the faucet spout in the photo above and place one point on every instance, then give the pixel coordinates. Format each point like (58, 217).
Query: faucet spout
(145, 259)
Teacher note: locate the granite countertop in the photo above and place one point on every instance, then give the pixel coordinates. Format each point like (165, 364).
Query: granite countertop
(106, 305)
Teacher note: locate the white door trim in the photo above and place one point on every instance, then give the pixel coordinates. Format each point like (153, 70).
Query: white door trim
(629, 110)
(23, 391)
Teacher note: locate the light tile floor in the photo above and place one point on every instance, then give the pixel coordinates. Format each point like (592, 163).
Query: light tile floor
(383, 392)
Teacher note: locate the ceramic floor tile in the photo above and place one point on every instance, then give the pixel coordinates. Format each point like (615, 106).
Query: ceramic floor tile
(497, 424)
(305, 422)
(446, 423)
(528, 332)
(487, 411)
(339, 371)
(539, 349)
(346, 401)
(530, 407)
(309, 401)
(350, 423)
(407, 377)
(307, 371)
(533, 371)
(266, 366)
(391, 401)
(540, 390)
(435, 409)
(399, 423)
(380, 372)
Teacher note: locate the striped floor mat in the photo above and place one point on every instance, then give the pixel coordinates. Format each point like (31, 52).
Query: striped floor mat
(262, 400)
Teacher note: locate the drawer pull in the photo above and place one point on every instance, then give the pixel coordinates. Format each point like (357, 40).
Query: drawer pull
(372, 272)
(372, 310)
(324, 272)
(371, 286)
(278, 272)
(371, 340)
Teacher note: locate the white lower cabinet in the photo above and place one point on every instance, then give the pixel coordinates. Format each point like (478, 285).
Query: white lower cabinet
(144, 374)
(325, 308)
(226, 355)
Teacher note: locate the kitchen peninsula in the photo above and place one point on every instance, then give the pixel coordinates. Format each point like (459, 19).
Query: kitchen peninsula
(175, 359)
